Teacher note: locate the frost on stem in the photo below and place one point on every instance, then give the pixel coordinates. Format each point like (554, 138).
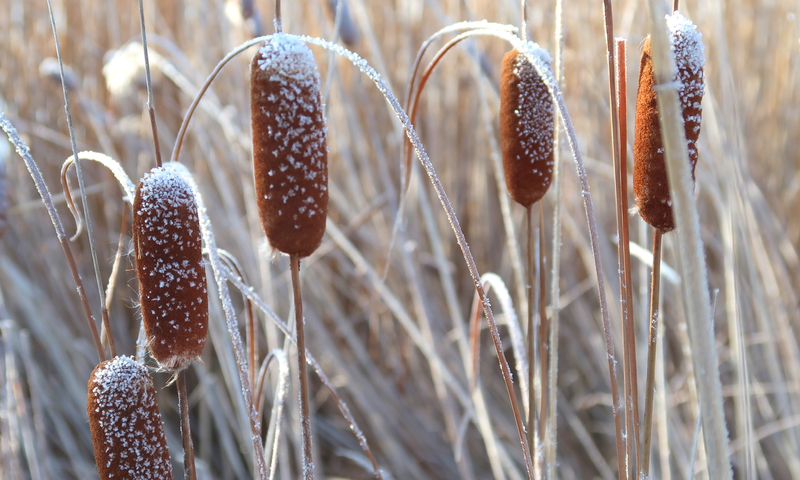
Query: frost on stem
(170, 268)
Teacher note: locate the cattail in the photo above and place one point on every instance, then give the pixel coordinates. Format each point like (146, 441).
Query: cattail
(127, 432)
(169, 265)
(290, 154)
(650, 183)
(526, 129)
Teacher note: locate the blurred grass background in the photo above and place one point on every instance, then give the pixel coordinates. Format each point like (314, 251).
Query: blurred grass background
(748, 185)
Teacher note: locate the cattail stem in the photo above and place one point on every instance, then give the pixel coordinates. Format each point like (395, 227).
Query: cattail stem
(529, 274)
(523, 29)
(543, 344)
(675, 5)
(278, 20)
(655, 292)
(305, 421)
(186, 429)
(151, 109)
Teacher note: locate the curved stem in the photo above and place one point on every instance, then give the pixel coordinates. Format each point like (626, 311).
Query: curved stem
(44, 193)
(74, 146)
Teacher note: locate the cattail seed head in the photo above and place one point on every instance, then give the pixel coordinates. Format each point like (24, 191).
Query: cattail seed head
(650, 181)
(169, 265)
(290, 153)
(127, 431)
(527, 122)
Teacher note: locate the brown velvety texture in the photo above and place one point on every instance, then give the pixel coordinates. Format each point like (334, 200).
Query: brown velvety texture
(169, 264)
(650, 181)
(127, 430)
(526, 130)
(290, 153)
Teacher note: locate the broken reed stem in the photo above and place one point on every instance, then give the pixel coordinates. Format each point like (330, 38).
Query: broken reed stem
(649, 388)
(44, 193)
(531, 347)
(543, 344)
(74, 146)
(624, 251)
(630, 387)
(305, 421)
(694, 276)
(186, 430)
(151, 109)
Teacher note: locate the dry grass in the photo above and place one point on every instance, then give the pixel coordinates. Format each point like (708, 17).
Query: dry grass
(747, 189)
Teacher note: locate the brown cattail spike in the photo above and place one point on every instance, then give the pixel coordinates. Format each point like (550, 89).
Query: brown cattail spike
(650, 182)
(169, 264)
(526, 128)
(127, 431)
(290, 153)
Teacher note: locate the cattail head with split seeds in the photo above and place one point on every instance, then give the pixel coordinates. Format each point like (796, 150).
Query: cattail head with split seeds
(527, 122)
(650, 182)
(169, 265)
(290, 153)
(127, 431)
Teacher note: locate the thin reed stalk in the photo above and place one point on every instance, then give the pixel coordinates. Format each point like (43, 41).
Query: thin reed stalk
(616, 74)
(531, 330)
(655, 293)
(190, 470)
(44, 193)
(555, 254)
(305, 414)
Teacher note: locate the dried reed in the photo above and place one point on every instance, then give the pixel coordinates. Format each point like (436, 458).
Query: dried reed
(290, 163)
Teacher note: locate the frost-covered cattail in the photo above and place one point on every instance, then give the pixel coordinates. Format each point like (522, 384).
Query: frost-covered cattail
(526, 128)
(650, 183)
(169, 265)
(290, 153)
(127, 431)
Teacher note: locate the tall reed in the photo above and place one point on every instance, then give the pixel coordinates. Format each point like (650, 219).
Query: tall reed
(290, 163)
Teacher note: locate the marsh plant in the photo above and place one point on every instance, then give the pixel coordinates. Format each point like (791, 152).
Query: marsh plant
(289, 141)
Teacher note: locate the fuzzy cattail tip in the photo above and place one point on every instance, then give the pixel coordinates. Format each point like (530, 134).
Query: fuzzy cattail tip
(170, 267)
(127, 431)
(527, 126)
(290, 153)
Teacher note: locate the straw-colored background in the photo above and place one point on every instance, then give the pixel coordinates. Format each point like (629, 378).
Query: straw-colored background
(747, 190)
